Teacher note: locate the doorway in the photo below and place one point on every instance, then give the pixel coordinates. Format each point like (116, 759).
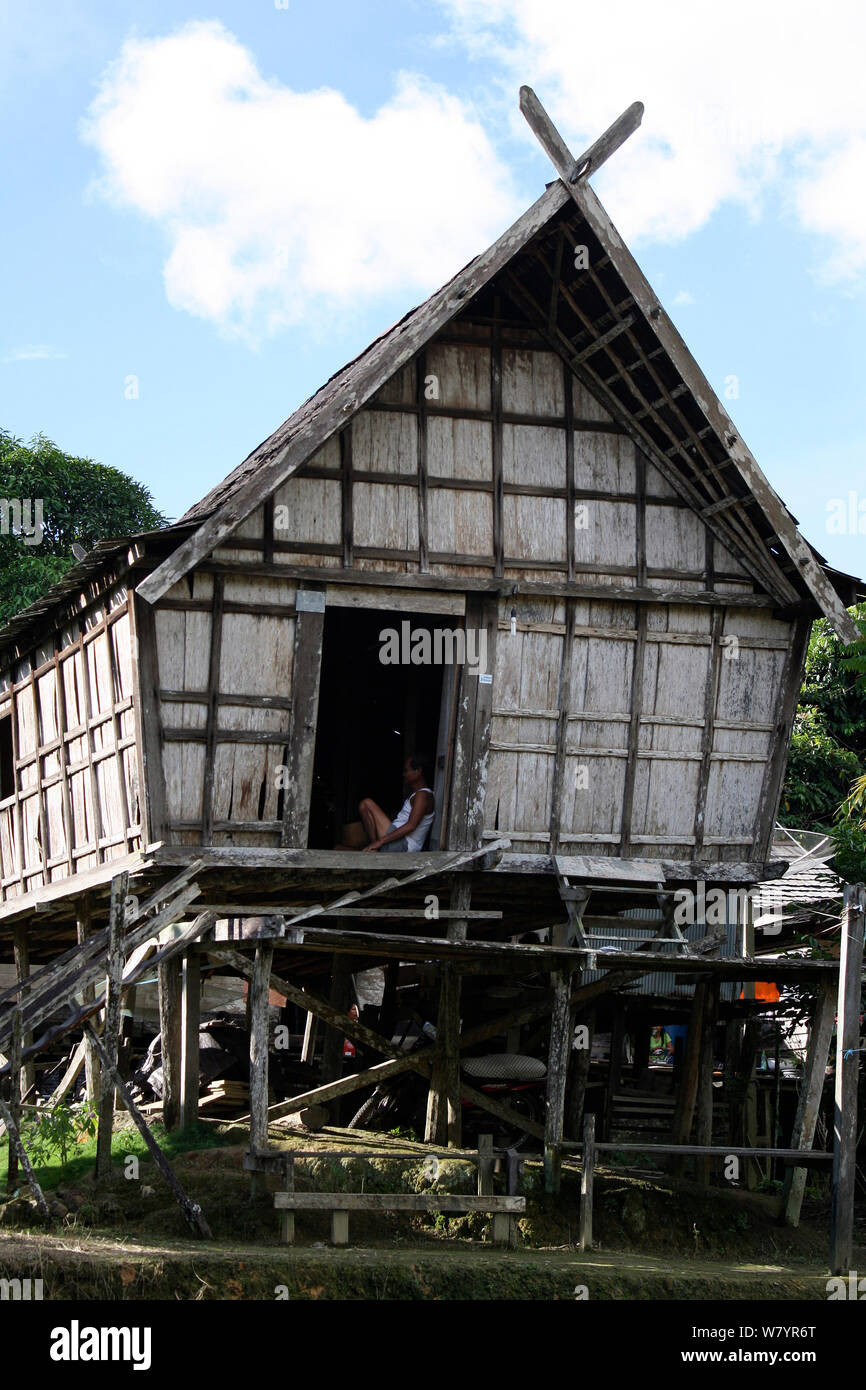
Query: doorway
(373, 713)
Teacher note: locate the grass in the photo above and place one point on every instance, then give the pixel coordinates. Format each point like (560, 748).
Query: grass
(124, 1141)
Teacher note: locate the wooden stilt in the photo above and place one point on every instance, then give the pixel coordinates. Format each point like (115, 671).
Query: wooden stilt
(811, 1091)
(16, 1147)
(14, 1100)
(335, 1037)
(587, 1175)
(444, 1124)
(83, 928)
(684, 1109)
(749, 1112)
(332, 1049)
(191, 1210)
(190, 1019)
(704, 1106)
(111, 1031)
(259, 994)
(308, 1049)
(847, 1075)
(169, 976)
(580, 1065)
(614, 1070)
(22, 970)
(559, 1051)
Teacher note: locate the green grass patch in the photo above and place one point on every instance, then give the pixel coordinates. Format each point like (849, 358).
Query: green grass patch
(125, 1140)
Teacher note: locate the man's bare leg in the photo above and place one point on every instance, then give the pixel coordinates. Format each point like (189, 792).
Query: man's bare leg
(375, 821)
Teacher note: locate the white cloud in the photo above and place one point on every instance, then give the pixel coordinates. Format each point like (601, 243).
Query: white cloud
(281, 205)
(683, 297)
(741, 99)
(34, 352)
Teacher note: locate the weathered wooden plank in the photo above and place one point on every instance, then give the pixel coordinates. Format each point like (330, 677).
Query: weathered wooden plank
(811, 1091)
(169, 978)
(309, 635)
(111, 1029)
(687, 1093)
(17, 1149)
(216, 637)
(396, 1201)
(400, 579)
(259, 995)
(714, 666)
(190, 1019)
(634, 734)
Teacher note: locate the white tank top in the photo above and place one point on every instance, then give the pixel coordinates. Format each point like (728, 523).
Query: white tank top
(415, 840)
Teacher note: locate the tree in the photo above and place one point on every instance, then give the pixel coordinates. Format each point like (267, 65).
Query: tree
(825, 785)
(71, 499)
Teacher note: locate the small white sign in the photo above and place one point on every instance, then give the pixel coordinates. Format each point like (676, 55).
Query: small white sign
(486, 679)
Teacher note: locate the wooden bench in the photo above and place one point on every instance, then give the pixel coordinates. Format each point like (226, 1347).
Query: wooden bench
(339, 1204)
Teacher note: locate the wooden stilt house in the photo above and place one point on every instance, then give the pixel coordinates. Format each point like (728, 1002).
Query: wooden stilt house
(529, 466)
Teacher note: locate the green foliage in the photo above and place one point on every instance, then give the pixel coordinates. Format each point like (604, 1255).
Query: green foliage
(82, 501)
(834, 687)
(820, 772)
(56, 1132)
(124, 1141)
(825, 785)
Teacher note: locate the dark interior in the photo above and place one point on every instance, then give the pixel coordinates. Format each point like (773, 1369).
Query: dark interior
(371, 715)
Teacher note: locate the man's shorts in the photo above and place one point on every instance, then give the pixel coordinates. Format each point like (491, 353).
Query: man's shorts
(396, 846)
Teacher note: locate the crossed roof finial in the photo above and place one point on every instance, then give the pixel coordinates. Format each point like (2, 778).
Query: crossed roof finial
(569, 169)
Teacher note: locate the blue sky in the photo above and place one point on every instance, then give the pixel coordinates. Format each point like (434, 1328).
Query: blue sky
(224, 202)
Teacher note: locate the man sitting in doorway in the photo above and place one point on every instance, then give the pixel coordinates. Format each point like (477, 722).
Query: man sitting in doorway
(411, 825)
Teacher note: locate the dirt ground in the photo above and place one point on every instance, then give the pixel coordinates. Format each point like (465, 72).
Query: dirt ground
(654, 1239)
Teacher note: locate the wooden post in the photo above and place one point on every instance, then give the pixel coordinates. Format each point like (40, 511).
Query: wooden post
(259, 994)
(14, 1119)
(485, 1165)
(557, 1076)
(169, 976)
(306, 672)
(191, 1210)
(335, 1038)
(847, 1074)
(684, 1110)
(444, 1107)
(614, 1071)
(17, 1148)
(111, 1030)
(580, 1066)
(288, 1217)
(83, 929)
(308, 1048)
(587, 1174)
(190, 1019)
(704, 1128)
(811, 1090)
(332, 1049)
(22, 970)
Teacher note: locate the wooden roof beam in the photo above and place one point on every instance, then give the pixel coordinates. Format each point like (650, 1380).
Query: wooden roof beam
(812, 573)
